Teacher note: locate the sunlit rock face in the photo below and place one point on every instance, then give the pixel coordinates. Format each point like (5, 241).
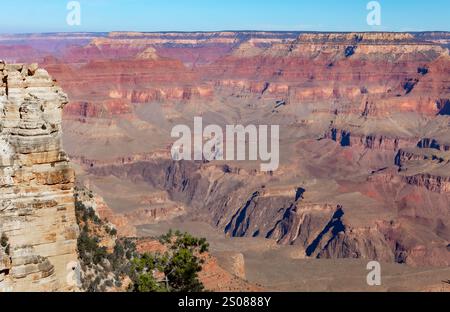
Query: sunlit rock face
(37, 218)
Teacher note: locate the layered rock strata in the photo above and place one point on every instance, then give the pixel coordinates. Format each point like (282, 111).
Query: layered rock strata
(37, 219)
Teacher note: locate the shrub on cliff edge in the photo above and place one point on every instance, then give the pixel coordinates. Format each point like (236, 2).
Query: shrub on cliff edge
(178, 267)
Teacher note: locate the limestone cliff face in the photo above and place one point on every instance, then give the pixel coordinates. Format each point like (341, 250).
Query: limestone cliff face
(37, 218)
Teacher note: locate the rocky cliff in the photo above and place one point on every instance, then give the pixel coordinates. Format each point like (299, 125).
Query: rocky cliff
(37, 218)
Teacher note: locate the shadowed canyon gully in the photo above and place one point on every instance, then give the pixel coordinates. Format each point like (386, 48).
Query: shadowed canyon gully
(364, 168)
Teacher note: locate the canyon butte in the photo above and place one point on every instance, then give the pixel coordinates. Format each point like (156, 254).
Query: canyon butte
(364, 144)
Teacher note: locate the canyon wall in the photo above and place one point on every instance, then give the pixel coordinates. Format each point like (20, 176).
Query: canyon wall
(364, 124)
(37, 218)
(248, 204)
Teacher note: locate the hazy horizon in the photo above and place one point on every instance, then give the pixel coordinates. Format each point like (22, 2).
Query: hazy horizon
(46, 16)
(215, 32)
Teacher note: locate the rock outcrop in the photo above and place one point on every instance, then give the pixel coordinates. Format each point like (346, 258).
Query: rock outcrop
(37, 218)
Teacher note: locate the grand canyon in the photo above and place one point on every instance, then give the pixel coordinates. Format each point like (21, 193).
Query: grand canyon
(364, 170)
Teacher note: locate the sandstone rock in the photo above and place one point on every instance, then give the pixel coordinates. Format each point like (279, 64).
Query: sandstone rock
(32, 68)
(13, 67)
(148, 54)
(36, 184)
